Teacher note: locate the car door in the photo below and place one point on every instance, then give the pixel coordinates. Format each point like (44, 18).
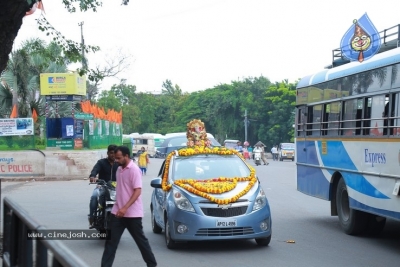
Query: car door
(159, 196)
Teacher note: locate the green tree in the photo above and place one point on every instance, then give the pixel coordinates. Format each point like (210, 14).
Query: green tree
(281, 103)
(12, 14)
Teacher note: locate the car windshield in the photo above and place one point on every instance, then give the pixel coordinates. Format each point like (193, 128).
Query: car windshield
(202, 167)
(287, 146)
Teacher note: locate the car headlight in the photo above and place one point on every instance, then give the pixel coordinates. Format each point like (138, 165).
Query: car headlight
(113, 194)
(260, 201)
(181, 201)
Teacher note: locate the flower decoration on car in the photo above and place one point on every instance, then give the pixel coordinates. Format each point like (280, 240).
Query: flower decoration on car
(198, 144)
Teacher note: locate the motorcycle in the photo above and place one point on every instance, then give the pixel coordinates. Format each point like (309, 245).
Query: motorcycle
(257, 157)
(159, 155)
(106, 200)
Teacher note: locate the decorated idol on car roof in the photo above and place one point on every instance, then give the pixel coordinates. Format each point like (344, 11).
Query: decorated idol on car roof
(196, 134)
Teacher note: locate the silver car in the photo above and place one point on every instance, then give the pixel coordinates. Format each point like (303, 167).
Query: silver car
(186, 216)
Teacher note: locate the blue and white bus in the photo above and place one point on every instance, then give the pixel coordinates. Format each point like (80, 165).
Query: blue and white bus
(348, 138)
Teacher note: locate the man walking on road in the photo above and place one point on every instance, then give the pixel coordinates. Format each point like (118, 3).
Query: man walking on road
(263, 158)
(127, 212)
(274, 152)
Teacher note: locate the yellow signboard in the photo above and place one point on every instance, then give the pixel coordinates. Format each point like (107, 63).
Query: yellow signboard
(62, 84)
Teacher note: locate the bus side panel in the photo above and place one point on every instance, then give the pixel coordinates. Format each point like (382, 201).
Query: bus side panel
(370, 193)
(310, 180)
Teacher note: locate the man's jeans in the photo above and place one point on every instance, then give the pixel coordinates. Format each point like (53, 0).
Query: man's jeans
(93, 202)
(135, 228)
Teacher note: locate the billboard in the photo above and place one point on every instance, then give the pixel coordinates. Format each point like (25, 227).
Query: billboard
(62, 84)
(20, 126)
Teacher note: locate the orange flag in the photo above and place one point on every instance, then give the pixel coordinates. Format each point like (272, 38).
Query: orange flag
(14, 112)
(34, 115)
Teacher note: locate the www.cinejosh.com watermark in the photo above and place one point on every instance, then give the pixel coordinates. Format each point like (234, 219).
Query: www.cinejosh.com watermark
(61, 234)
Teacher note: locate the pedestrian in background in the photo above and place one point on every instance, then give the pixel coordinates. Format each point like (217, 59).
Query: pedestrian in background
(263, 158)
(143, 160)
(274, 151)
(127, 212)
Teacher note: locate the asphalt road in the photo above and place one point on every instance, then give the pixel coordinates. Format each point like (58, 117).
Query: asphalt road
(319, 241)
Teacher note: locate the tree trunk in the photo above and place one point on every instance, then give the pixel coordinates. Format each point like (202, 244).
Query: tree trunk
(11, 14)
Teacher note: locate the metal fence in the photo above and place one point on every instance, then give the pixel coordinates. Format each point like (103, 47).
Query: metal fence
(19, 250)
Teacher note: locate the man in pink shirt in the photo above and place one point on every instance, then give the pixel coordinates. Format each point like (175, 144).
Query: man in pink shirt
(127, 211)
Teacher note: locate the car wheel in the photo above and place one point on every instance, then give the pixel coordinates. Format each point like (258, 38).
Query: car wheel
(154, 226)
(352, 221)
(171, 244)
(280, 159)
(263, 241)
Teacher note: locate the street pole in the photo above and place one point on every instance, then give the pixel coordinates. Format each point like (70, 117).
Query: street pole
(84, 65)
(246, 122)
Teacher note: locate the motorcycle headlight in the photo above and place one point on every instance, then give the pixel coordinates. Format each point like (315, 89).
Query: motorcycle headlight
(181, 202)
(113, 194)
(260, 201)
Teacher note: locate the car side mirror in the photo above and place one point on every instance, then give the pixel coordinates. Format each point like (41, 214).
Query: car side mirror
(156, 183)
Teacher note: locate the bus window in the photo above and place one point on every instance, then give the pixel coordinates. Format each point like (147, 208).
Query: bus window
(377, 112)
(331, 119)
(351, 124)
(367, 116)
(314, 120)
(396, 114)
(300, 120)
(388, 114)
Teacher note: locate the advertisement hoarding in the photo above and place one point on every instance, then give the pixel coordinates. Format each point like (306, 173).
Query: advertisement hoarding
(19, 126)
(62, 84)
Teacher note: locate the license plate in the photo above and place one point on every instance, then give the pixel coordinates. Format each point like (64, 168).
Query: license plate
(226, 223)
(289, 156)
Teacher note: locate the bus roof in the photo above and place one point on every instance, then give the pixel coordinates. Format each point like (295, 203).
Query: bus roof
(380, 60)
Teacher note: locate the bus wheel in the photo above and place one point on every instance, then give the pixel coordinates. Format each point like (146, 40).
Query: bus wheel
(353, 222)
(375, 224)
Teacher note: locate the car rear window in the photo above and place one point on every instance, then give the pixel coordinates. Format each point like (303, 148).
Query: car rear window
(209, 166)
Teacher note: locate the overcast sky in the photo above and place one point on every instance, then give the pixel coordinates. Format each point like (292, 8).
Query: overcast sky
(202, 43)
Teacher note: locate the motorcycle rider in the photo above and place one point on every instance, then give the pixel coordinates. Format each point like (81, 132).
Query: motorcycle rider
(105, 168)
(257, 151)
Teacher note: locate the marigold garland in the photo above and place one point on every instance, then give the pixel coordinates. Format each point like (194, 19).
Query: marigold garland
(214, 186)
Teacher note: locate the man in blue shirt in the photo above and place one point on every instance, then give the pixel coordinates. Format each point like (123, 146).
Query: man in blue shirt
(238, 147)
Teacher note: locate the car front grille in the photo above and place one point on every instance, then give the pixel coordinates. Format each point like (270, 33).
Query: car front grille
(234, 231)
(229, 212)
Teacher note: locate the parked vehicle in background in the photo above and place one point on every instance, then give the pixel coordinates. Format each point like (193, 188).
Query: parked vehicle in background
(158, 140)
(177, 141)
(286, 151)
(230, 143)
(142, 140)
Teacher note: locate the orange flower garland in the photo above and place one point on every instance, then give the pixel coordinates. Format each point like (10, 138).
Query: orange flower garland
(213, 186)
